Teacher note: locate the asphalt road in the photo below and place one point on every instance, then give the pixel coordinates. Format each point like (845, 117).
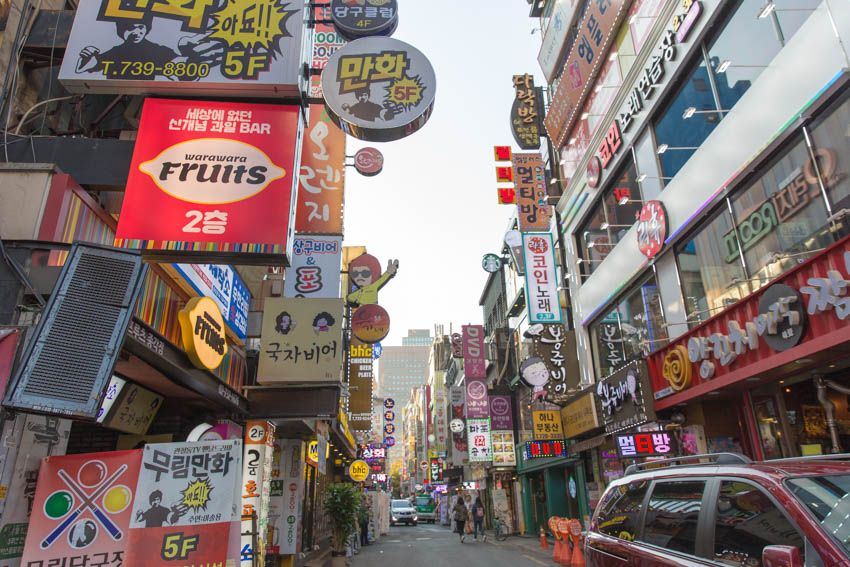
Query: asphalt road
(427, 545)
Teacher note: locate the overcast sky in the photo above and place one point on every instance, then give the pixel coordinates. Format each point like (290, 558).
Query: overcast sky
(434, 207)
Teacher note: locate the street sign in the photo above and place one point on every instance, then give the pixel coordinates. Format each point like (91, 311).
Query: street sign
(389, 403)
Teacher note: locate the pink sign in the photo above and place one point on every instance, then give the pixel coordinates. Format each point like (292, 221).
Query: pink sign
(476, 398)
(500, 413)
(473, 352)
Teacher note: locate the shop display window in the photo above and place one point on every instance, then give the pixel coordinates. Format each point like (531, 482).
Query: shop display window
(672, 514)
(831, 140)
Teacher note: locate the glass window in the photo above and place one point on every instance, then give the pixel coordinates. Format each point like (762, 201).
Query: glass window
(831, 138)
(620, 509)
(828, 499)
(781, 217)
(747, 521)
(647, 167)
(710, 269)
(672, 515)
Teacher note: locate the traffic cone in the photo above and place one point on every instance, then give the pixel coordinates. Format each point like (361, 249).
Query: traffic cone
(543, 543)
(578, 558)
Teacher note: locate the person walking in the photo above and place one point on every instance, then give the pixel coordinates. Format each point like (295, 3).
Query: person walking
(460, 513)
(478, 518)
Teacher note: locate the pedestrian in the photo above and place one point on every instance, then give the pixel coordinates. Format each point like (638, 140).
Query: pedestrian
(364, 525)
(478, 518)
(460, 512)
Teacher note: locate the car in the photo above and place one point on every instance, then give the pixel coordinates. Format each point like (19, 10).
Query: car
(426, 508)
(402, 512)
(724, 509)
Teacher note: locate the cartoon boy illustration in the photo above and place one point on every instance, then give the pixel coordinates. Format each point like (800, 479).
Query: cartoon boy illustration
(365, 109)
(365, 272)
(127, 60)
(534, 373)
(322, 322)
(158, 514)
(284, 323)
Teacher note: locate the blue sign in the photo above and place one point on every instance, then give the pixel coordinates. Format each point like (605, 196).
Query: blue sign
(376, 350)
(223, 285)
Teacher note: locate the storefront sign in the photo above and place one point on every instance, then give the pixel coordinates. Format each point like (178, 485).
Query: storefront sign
(379, 89)
(358, 470)
(651, 228)
(611, 143)
(555, 37)
(539, 449)
(474, 363)
(256, 485)
(546, 425)
(458, 424)
(579, 416)
(134, 410)
(370, 323)
(477, 405)
(356, 19)
(202, 330)
(500, 413)
(491, 263)
(504, 454)
(552, 343)
(203, 173)
(645, 444)
(541, 283)
(222, 284)
(525, 113)
(506, 195)
(677, 370)
(287, 499)
(368, 162)
(373, 452)
(502, 153)
(478, 433)
(321, 187)
(435, 472)
(533, 212)
(314, 271)
(621, 399)
(301, 340)
(200, 48)
(360, 377)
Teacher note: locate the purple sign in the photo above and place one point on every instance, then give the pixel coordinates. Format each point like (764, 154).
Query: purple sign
(476, 398)
(474, 365)
(688, 22)
(500, 413)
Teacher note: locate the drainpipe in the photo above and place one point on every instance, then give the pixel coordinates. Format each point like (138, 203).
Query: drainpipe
(829, 407)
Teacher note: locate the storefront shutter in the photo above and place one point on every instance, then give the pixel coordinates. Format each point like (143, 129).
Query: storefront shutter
(69, 360)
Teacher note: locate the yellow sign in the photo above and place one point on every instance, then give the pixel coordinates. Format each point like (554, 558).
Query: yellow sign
(547, 425)
(579, 416)
(313, 452)
(677, 368)
(202, 329)
(358, 470)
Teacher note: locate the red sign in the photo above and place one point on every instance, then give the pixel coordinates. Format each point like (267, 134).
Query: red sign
(507, 195)
(473, 351)
(594, 172)
(203, 173)
(551, 448)
(502, 153)
(651, 228)
(368, 161)
(370, 323)
(320, 185)
(8, 345)
(610, 144)
(504, 174)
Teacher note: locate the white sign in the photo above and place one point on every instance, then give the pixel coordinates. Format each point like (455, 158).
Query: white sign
(456, 425)
(541, 285)
(287, 498)
(315, 268)
(478, 433)
(116, 384)
(555, 37)
(223, 285)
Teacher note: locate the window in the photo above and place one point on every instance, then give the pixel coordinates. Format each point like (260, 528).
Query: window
(831, 139)
(619, 511)
(672, 515)
(747, 521)
(826, 498)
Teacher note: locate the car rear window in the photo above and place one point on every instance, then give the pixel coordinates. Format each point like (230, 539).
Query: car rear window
(619, 510)
(828, 499)
(401, 504)
(672, 515)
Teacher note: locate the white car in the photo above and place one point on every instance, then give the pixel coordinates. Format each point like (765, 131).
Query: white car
(402, 512)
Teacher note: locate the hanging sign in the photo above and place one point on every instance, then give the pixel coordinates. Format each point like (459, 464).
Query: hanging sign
(651, 228)
(491, 263)
(547, 425)
(368, 162)
(222, 284)
(500, 413)
(321, 187)
(202, 330)
(503, 448)
(478, 432)
(533, 212)
(314, 271)
(363, 19)
(370, 323)
(477, 405)
(645, 444)
(360, 377)
(541, 283)
(358, 470)
(256, 485)
(525, 113)
(474, 363)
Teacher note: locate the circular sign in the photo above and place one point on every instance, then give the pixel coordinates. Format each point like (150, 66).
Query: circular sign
(358, 470)
(202, 330)
(476, 389)
(677, 368)
(354, 20)
(651, 228)
(389, 429)
(423, 465)
(368, 161)
(389, 441)
(456, 425)
(370, 323)
(563, 525)
(389, 403)
(500, 406)
(575, 527)
(594, 172)
(553, 525)
(379, 89)
(431, 438)
(491, 263)
(782, 306)
(377, 349)
(389, 415)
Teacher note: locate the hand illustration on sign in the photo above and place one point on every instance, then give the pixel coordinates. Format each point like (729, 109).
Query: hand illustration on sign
(365, 273)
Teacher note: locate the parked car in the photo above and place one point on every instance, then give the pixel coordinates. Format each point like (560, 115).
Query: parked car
(402, 512)
(724, 509)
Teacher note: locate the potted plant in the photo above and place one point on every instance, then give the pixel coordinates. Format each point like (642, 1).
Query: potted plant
(342, 502)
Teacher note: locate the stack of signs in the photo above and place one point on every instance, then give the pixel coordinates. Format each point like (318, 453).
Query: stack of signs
(286, 496)
(478, 433)
(502, 423)
(256, 488)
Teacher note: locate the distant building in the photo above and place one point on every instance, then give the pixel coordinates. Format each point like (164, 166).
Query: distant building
(403, 368)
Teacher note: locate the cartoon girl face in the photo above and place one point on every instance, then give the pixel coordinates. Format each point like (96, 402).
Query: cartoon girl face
(536, 373)
(321, 322)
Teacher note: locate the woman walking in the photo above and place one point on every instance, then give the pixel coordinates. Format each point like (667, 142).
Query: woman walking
(478, 518)
(460, 513)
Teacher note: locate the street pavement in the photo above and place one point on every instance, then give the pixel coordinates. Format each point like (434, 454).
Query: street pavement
(427, 545)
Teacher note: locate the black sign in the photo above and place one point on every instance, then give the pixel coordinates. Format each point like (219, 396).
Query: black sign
(646, 444)
(538, 449)
(376, 17)
(620, 397)
(525, 113)
(784, 313)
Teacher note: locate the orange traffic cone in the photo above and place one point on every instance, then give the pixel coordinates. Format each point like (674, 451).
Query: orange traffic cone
(578, 558)
(543, 543)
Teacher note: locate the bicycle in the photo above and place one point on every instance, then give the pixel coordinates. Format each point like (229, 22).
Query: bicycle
(502, 530)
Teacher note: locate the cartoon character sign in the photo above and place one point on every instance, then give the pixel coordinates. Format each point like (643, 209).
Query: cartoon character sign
(535, 374)
(365, 274)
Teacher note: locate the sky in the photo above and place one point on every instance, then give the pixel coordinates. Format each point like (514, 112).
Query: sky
(434, 206)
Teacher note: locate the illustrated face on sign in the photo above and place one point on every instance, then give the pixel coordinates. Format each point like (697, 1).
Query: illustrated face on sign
(323, 322)
(284, 323)
(534, 372)
(134, 33)
(364, 270)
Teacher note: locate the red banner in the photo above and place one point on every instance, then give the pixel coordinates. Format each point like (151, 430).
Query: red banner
(320, 184)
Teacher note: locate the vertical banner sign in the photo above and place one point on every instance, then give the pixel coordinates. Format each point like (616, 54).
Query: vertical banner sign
(256, 470)
(552, 346)
(360, 377)
(203, 173)
(184, 502)
(326, 40)
(541, 286)
(500, 413)
(320, 183)
(474, 365)
(477, 405)
(533, 212)
(458, 400)
(547, 425)
(81, 509)
(525, 120)
(315, 267)
(478, 431)
(441, 427)
(284, 535)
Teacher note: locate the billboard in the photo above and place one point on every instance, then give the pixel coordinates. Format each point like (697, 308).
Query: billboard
(314, 271)
(203, 172)
(301, 340)
(222, 284)
(200, 47)
(321, 188)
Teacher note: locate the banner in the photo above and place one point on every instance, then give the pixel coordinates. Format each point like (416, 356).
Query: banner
(541, 285)
(321, 187)
(184, 507)
(315, 267)
(441, 426)
(286, 498)
(256, 488)
(458, 401)
(81, 511)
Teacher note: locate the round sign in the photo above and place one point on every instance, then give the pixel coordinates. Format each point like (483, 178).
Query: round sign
(500, 406)
(785, 304)
(370, 323)
(389, 403)
(476, 389)
(575, 527)
(423, 465)
(358, 470)
(379, 89)
(651, 228)
(368, 161)
(594, 172)
(389, 415)
(431, 438)
(553, 525)
(389, 429)
(389, 441)
(353, 20)
(202, 330)
(456, 425)
(563, 525)
(491, 263)
(377, 349)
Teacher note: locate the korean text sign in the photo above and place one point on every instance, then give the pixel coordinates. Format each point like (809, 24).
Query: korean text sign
(256, 486)
(222, 284)
(185, 502)
(172, 47)
(360, 377)
(204, 172)
(82, 509)
(547, 425)
(314, 271)
(478, 433)
(321, 182)
(301, 340)
(500, 413)
(646, 444)
(533, 212)
(474, 364)
(477, 405)
(541, 284)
